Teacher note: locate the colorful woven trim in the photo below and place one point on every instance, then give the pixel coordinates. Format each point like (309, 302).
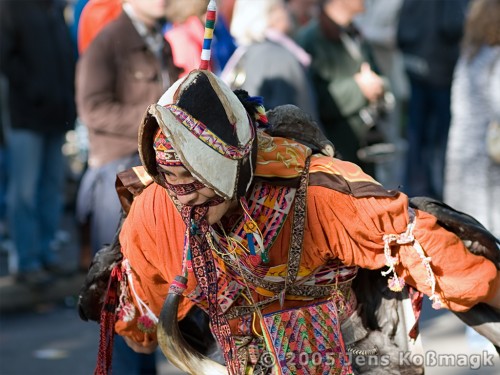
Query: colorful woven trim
(298, 352)
(185, 189)
(228, 292)
(200, 130)
(205, 271)
(269, 207)
(209, 33)
(165, 153)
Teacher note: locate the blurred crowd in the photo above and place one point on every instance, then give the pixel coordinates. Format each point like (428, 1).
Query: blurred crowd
(407, 89)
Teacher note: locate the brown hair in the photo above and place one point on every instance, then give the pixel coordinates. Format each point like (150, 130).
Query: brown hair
(482, 26)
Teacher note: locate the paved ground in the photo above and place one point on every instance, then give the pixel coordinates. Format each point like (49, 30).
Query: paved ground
(444, 338)
(52, 340)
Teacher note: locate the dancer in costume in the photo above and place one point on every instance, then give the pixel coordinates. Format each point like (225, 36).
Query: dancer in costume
(223, 214)
(270, 238)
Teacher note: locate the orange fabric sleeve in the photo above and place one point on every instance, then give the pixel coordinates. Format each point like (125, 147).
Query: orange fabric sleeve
(153, 247)
(352, 229)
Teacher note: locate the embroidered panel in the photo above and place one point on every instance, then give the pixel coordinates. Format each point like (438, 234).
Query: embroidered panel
(269, 207)
(200, 130)
(296, 352)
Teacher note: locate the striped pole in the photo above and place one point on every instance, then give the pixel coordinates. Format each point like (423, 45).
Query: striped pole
(209, 34)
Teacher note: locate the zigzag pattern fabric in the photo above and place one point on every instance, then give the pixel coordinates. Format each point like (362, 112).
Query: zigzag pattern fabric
(298, 352)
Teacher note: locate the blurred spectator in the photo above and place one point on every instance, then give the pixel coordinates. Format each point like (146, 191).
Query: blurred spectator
(429, 34)
(3, 160)
(37, 59)
(267, 62)
(225, 10)
(378, 25)
(185, 35)
(472, 178)
(343, 79)
(301, 12)
(96, 14)
(223, 45)
(90, 17)
(125, 68)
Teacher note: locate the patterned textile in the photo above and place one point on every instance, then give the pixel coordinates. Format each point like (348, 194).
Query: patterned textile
(250, 355)
(229, 291)
(204, 134)
(269, 206)
(206, 275)
(280, 158)
(296, 351)
(165, 153)
(185, 189)
(270, 214)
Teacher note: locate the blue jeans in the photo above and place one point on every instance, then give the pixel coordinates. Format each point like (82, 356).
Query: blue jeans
(98, 201)
(127, 362)
(3, 185)
(36, 170)
(428, 124)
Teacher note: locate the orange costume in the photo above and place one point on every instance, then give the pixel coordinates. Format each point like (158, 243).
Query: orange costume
(349, 217)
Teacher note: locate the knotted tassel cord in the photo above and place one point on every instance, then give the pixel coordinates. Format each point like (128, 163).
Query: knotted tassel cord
(396, 283)
(147, 320)
(107, 324)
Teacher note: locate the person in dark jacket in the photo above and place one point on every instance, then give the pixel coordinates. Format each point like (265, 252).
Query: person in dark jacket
(37, 59)
(344, 80)
(429, 34)
(261, 31)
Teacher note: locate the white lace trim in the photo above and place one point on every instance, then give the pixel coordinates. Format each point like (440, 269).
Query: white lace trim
(397, 283)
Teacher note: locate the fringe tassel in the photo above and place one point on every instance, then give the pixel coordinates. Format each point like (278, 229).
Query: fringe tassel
(107, 323)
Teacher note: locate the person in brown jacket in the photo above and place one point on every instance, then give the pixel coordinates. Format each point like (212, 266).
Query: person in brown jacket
(126, 67)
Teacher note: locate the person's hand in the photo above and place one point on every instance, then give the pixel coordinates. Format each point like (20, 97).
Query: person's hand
(146, 347)
(371, 85)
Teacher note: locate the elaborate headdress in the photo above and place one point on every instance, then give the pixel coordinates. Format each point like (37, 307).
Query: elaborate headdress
(209, 129)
